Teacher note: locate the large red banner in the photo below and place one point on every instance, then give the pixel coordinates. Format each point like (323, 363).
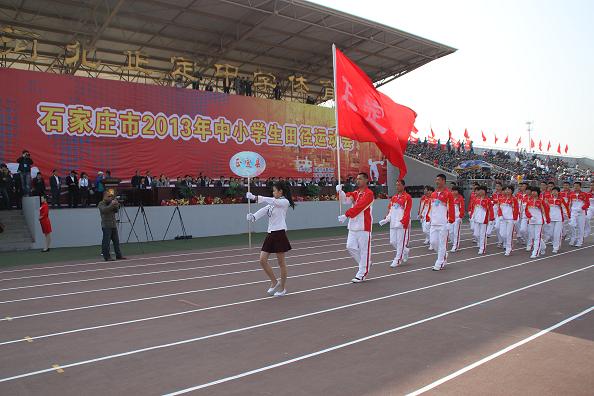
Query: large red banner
(89, 124)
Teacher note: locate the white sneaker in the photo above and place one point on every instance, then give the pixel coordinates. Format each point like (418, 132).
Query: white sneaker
(533, 256)
(431, 248)
(499, 245)
(436, 269)
(405, 256)
(394, 264)
(506, 254)
(555, 251)
(356, 280)
(280, 293)
(274, 289)
(453, 251)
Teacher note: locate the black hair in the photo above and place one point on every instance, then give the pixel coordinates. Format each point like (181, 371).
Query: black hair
(430, 188)
(402, 182)
(365, 175)
(484, 188)
(510, 187)
(577, 182)
(498, 182)
(457, 189)
(556, 189)
(536, 189)
(441, 176)
(566, 182)
(282, 186)
(551, 182)
(526, 184)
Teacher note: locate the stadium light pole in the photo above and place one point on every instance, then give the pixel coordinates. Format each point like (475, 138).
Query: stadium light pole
(529, 124)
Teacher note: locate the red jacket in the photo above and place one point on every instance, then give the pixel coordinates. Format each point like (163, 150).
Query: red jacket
(362, 206)
(446, 198)
(488, 205)
(459, 202)
(513, 202)
(405, 201)
(540, 204)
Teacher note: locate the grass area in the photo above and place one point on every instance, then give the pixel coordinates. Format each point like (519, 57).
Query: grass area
(27, 257)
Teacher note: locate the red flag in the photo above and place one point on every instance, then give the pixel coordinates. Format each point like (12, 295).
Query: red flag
(450, 134)
(495, 138)
(484, 137)
(519, 141)
(506, 139)
(559, 148)
(540, 145)
(531, 143)
(549, 146)
(366, 115)
(432, 133)
(466, 135)
(566, 148)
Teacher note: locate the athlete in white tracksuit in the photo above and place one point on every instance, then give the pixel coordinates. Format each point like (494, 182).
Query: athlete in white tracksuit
(482, 216)
(537, 212)
(440, 216)
(423, 209)
(579, 203)
(458, 216)
(557, 210)
(399, 218)
(360, 222)
(509, 211)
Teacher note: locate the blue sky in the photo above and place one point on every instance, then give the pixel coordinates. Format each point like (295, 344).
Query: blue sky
(516, 61)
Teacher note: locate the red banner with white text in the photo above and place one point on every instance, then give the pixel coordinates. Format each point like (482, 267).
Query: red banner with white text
(90, 124)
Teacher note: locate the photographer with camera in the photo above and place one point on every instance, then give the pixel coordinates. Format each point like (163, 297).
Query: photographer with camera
(25, 162)
(108, 208)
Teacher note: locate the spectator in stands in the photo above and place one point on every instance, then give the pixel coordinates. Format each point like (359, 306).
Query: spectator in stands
(163, 181)
(135, 181)
(84, 189)
(72, 183)
(220, 182)
(38, 185)
(6, 187)
(25, 163)
(248, 87)
(99, 186)
(149, 182)
(277, 92)
(55, 187)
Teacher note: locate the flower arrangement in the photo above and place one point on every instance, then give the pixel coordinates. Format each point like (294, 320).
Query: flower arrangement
(208, 200)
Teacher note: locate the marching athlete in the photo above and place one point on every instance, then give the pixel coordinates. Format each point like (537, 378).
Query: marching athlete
(423, 209)
(360, 220)
(399, 218)
(276, 241)
(440, 216)
(509, 211)
(495, 197)
(522, 196)
(473, 193)
(458, 216)
(590, 213)
(579, 203)
(482, 215)
(564, 195)
(558, 208)
(537, 212)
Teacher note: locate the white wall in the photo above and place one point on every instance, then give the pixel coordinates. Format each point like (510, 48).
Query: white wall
(82, 227)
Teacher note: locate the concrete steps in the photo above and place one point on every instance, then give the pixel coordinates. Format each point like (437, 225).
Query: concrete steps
(16, 235)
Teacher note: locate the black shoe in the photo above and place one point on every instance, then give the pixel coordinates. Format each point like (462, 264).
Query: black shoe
(122, 258)
(109, 259)
(45, 250)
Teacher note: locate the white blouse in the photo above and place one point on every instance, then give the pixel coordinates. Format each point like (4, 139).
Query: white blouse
(276, 210)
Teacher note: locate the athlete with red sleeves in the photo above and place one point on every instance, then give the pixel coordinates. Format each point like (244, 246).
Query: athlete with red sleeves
(399, 218)
(557, 213)
(440, 216)
(564, 195)
(482, 215)
(360, 220)
(537, 212)
(458, 216)
(579, 203)
(509, 211)
(495, 197)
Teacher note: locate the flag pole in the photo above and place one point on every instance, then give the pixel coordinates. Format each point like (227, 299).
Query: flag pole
(336, 120)
(249, 222)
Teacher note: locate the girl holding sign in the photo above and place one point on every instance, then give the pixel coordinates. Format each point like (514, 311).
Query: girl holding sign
(276, 241)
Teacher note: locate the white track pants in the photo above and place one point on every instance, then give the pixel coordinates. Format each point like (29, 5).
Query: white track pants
(455, 234)
(426, 226)
(578, 224)
(481, 235)
(554, 231)
(536, 232)
(399, 239)
(359, 246)
(439, 241)
(506, 229)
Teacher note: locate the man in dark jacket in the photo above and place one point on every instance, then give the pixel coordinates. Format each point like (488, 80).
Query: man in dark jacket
(55, 186)
(72, 183)
(108, 208)
(25, 164)
(39, 185)
(5, 187)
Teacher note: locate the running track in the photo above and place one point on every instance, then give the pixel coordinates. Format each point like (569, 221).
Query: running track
(201, 323)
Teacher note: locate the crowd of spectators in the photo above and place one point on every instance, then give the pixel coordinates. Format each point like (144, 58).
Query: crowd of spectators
(504, 165)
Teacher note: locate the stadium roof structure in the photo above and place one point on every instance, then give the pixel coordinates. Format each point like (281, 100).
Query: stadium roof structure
(281, 37)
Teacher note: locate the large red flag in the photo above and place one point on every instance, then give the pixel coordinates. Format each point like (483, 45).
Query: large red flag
(506, 139)
(519, 142)
(531, 143)
(466, 135)
(566, 148)
(484, 137)
(540, 145)
(559, 148)
(549, 146)
(366, 115)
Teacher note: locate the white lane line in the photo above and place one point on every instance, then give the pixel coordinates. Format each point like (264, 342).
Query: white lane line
(191, 253)
(213, 307)
(183, 261)
(499, 353)
(363, 339)
(192, 340)
(177, 280)
(10, 317)
(116, 276)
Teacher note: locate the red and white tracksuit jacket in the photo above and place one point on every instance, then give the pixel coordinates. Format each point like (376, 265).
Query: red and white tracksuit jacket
(458, 216)
(579, 203)
(441, 214)
(509, 212)
(360, 214)
(399, 217)
(537, 212)
(482, 215)
(558, 210)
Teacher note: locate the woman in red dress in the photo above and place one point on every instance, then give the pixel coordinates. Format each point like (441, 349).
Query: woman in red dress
(46, 225)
